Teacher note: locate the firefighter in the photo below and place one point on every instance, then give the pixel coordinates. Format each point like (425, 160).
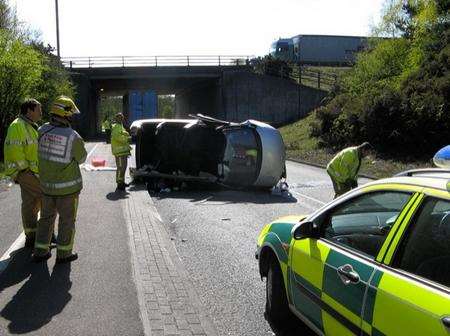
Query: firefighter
(120, 146)
(344, 167)
(61, 151)
(21, 163)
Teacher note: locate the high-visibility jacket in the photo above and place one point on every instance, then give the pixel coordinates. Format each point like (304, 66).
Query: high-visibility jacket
(345, 165)
(61, 151)
(21, 147)
(120, 140)
(106, 125)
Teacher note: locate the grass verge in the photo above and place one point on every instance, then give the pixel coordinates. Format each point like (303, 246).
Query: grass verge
(302, 147)
(2, 170)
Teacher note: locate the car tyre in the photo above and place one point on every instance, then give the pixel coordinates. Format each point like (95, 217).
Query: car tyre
(277, 311)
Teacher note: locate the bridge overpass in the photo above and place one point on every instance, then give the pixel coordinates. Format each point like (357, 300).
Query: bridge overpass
(220, 86)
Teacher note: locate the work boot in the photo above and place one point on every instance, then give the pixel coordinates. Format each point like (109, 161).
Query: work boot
(29, 242)
(41, 258)
(72, 257)
(53, 241)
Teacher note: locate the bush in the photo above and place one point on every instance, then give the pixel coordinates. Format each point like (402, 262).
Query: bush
(398, 94)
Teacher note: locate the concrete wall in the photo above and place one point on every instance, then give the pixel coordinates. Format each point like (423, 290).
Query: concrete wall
(270, 99)
(239, 96)
(202, 99)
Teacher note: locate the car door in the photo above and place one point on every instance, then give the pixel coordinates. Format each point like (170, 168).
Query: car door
(329, 275)
(411, 291)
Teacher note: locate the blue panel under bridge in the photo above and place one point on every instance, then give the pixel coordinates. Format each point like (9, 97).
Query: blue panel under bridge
(140, 105)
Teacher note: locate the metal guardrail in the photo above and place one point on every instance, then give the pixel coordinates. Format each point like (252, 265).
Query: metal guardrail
(154, 61)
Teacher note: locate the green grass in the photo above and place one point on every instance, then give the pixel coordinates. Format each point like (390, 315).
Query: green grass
(301, 146)
(2, 170)
(326, 83)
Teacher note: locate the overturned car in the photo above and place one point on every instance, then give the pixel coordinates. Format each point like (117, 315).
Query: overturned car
(208, 150)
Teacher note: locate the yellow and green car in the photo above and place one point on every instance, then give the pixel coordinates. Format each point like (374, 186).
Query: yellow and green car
(375, 261)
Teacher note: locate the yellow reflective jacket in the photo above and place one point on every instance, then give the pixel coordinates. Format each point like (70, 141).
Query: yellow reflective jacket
(106, 125)
(61, 151)
(345, 165)
(21, 147)
(120, 140)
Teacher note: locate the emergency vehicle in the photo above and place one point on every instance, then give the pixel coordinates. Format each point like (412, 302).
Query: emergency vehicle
(375, 261)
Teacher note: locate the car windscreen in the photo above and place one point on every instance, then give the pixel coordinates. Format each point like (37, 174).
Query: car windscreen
(241, 158)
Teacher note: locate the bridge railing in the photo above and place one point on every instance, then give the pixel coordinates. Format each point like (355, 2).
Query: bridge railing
(155, 61)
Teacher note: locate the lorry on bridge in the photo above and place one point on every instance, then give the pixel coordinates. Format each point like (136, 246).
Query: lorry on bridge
(319, 49)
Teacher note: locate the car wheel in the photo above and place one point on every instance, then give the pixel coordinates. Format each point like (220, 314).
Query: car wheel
(277, 312)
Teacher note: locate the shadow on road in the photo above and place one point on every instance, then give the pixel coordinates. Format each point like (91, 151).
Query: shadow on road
(117, 195)
(294, 329)
(227, 197)
(41, 297)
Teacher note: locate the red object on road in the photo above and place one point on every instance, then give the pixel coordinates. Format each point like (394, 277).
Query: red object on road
(98, 162)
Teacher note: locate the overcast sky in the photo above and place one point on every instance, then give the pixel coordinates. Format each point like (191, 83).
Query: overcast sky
(195, 27)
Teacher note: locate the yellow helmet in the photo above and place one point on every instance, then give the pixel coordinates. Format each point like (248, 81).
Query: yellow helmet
(64, 107)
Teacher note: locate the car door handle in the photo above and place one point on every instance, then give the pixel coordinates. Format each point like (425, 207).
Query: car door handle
(446, 321)
(347, 274)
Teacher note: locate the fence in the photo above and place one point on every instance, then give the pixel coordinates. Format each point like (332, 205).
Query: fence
(155, 61)
(303, 75)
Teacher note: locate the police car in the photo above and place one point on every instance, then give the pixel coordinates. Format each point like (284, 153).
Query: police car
(375, 261)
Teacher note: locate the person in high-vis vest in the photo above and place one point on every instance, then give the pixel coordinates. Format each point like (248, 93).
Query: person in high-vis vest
(61, 150)
(344, 167)
(120, 146)
(106, 128)
(21, 163)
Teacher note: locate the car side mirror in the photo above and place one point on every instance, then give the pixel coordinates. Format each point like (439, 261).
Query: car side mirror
(304, 230)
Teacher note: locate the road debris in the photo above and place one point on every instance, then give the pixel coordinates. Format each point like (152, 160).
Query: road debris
(5, 184)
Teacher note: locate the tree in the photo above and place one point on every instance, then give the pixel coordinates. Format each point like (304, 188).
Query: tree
(27, 69)
(20, 73)
(398, 94)
(54, 80)
(166, 106)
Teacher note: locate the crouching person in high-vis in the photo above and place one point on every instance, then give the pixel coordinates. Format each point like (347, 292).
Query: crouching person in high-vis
(60, 151)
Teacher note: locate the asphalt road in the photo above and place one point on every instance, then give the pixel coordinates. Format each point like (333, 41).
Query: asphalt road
(215, 234)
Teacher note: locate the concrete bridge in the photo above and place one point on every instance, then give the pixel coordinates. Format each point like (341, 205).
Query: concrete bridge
(219, 86)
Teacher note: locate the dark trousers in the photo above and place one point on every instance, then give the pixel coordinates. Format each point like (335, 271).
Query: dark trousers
(342, 188)
(121, 164)
(108, 136)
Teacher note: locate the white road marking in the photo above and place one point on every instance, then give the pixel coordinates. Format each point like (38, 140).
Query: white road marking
(6, 257)
(308, 197)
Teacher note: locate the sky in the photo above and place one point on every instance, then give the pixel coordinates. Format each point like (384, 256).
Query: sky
(190, 27)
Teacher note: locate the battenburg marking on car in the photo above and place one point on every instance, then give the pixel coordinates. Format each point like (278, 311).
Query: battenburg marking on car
(398, 286)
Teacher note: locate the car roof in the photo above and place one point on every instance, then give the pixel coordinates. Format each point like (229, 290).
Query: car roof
(426, 178)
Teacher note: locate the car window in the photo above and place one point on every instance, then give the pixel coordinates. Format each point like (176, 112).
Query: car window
(425, 249)
(363, 223)
(240, 162)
